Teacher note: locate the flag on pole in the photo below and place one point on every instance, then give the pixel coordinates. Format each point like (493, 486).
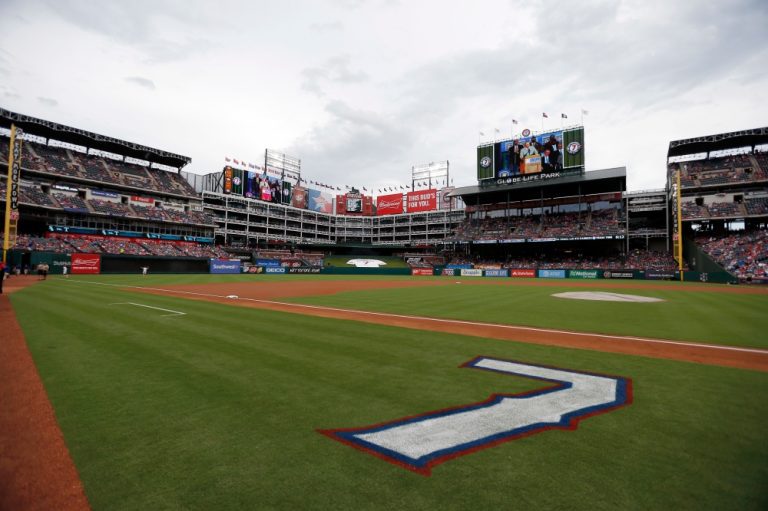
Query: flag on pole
(563, 116)
(514, 121)
(544, 114)
(584, 112)
(227, 159)
(497, 130)
(482, 134)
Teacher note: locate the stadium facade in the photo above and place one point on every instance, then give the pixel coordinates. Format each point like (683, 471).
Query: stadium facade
(534, 203)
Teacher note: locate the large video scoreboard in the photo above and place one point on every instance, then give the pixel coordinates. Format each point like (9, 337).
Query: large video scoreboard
(532, 157)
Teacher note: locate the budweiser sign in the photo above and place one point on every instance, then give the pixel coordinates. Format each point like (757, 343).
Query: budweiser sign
(86, 264)
(389, 204)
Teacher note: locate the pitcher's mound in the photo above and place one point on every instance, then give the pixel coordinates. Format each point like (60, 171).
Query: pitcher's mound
(606, 297)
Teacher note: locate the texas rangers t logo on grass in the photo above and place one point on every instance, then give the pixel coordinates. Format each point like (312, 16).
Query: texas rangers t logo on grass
(423, 441)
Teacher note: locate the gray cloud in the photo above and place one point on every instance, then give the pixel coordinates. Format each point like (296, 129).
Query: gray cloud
(336, 70)
(50, 102)
(11, 95)
(330, 26)
(141, 82)
(353, 145)
(141, 24)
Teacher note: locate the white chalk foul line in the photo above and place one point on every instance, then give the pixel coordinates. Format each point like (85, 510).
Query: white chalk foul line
(450, 321)
(173, 312)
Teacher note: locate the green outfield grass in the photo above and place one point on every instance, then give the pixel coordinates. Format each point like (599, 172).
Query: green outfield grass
(719, 318)
(218, 409)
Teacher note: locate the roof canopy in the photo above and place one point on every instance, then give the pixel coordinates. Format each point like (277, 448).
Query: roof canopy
(709, 143)
(68, 134)
(592, 182)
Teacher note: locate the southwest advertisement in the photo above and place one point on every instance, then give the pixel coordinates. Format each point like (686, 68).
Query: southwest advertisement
(224, 266)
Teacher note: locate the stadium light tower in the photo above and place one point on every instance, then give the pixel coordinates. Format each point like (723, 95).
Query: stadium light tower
(287, 166)
(433, 173)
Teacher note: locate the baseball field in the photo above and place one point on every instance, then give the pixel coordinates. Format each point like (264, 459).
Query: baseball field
(331, 392)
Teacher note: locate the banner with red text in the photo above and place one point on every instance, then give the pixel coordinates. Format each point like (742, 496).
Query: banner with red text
(423, 200)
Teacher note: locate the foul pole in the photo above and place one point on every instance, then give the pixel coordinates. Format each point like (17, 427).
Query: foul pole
(12, 191)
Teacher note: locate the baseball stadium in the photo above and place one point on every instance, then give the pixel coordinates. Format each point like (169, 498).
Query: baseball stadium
(252, 338)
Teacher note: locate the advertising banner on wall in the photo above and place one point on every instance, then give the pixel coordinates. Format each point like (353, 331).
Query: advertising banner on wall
(424, 272)
(367, 205)
(299, 197)
(101, 193)
(86, 264)
(268, 262)
(286, 198)
(523, 273)
(661, 275)
(354, 203)
(237, 181)
(224, 266)
(446, 202)
(423, 200)
(497, 273)
(583, 274)
(471, 272)
(304, 269)
(389, 204)
(321, 202)
(620, 274)
(551, 274)
(227, 180)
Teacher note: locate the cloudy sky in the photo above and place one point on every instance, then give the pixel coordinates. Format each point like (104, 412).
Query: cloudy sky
(362, 90)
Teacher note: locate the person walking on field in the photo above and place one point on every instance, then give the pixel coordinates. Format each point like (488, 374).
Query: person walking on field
(64, 271)
(144, 270)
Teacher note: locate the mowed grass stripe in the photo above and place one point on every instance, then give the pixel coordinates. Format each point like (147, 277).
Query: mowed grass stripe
(728, 319)
(218, 410)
